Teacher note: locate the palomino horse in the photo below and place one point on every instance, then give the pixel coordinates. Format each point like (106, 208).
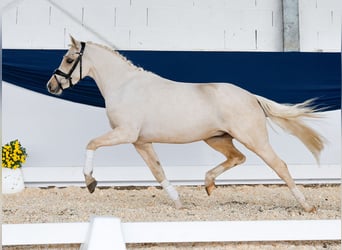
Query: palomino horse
(144, 108)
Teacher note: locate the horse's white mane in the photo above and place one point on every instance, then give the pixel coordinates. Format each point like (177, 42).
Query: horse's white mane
(116, 53)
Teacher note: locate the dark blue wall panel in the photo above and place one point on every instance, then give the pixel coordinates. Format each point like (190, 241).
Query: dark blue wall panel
(289, 77)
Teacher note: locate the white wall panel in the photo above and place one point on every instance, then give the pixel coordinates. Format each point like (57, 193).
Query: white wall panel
(97, 16)
(268, 4)
(164, 17)
(327, 4)
(165, 3)
(264, 42)
(256, 19)
(187, 18)
(240, 39)
(64, 14)
(9, 17)
(325, 40)
(232, 19)
(33, 14)
(320, 25)
(32, 37)
(120, 22)
(131, 17)
(165, 39)
(243, 4)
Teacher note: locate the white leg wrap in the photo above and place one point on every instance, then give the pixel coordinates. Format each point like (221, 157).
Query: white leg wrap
(172, 192)
(301, 199)
(88, 167)
(298, 194)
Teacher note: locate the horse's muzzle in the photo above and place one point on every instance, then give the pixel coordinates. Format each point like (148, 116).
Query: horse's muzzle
(53, 87)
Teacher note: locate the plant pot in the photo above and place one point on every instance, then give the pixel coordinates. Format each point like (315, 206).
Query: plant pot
(12, 180)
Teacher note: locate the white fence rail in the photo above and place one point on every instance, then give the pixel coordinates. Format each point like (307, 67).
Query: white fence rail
(179, 175)
(109, 233)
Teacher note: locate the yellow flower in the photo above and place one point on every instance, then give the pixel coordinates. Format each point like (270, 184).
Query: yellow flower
(13, 155)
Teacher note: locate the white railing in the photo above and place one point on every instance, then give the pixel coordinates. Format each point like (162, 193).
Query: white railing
(178, 175)
(109, 233)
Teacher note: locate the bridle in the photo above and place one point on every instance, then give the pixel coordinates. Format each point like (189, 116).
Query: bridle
(67, 76)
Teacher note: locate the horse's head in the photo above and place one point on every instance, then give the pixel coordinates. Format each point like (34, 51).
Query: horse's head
(71, 69)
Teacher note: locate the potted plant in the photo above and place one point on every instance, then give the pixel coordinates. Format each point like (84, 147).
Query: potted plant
(13, 156)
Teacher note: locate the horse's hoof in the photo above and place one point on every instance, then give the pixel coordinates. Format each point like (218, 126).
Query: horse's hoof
(91, 187)
(178, 204)
(210, 189)
(312, 210)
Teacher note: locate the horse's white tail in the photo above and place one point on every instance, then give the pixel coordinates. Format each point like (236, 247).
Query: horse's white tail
(290, 119)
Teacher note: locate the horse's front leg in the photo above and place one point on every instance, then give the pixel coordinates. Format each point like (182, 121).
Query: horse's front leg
(117, 136)
(150, 157)
(88, 171)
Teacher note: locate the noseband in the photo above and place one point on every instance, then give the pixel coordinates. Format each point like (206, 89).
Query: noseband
(67, 76)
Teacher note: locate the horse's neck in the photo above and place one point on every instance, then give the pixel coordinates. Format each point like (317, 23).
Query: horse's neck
(108, 69)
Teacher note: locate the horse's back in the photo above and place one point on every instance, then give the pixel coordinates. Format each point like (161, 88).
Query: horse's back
(182, 112)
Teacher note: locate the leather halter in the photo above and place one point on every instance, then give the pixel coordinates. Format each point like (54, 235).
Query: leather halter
(68, 76)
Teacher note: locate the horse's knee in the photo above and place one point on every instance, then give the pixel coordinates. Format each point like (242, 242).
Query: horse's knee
(92, 145)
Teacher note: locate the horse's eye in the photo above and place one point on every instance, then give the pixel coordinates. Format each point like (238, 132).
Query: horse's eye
(69, 60)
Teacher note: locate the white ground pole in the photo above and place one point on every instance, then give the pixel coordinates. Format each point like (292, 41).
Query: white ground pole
(104, 233)
(109, 233)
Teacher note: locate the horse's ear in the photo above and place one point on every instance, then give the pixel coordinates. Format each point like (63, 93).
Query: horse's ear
(74, 42)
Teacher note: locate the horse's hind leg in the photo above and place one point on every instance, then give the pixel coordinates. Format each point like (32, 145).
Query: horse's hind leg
(150, 157)
(266, 152)
(224, 145)
(257, 141)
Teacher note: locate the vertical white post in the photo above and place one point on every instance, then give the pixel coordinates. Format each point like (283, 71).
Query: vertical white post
(104, 233)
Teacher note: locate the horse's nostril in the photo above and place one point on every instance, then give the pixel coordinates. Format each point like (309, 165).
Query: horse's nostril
(48, 86)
